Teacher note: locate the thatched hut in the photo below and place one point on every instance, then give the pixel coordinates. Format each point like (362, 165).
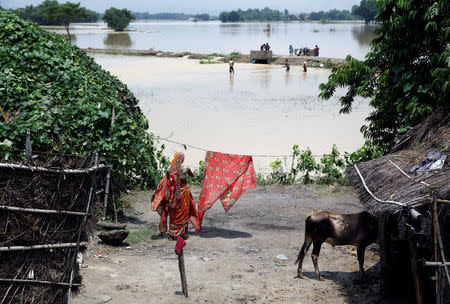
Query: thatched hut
(414, 212)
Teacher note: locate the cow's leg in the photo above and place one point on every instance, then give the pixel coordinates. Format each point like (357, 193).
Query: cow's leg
(361, 249)
(301, 255)
(315, 257)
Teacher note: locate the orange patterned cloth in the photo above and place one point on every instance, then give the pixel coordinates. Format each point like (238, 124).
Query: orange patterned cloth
(181, 212)
(172, 201)
(226, 176)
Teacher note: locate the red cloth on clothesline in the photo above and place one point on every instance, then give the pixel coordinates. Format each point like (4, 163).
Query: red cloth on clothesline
(226, 176)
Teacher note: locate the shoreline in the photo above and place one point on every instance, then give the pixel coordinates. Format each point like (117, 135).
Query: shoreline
(311, 61)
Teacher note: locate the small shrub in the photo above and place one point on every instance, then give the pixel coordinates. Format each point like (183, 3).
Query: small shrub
(234, 54)
(331, 167)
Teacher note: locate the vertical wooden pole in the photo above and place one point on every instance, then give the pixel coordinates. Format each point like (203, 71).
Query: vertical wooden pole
(28, 149)
(83, 223)
(108, 174)
(414, 265)
(182, 274)
(385, 252)
(436, 273)
(105, 204)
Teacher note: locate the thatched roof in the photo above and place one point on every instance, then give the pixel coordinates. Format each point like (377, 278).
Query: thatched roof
(386, 182)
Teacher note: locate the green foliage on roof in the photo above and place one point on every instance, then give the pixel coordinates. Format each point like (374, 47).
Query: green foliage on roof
(66, 99)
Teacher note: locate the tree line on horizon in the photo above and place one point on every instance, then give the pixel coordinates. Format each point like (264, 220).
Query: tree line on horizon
(367, 10)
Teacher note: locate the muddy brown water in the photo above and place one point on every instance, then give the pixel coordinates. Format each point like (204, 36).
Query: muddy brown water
(260, 110)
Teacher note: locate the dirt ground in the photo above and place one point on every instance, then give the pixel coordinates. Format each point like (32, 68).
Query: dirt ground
(234, 258)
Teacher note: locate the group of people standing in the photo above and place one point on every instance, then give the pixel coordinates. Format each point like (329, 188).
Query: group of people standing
(305, 50)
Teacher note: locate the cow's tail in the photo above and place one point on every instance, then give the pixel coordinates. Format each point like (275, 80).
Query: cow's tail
(307, 239)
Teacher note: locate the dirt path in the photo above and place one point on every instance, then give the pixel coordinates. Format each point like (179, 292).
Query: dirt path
(234, 259)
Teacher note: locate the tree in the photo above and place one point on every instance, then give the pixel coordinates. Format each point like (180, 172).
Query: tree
(63, 13)
(118, 19)
(406, 75)
(367, 10)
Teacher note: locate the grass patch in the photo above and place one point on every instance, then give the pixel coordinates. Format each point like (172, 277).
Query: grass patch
(135, 237)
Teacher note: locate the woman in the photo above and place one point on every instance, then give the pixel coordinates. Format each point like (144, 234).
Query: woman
(173, 199)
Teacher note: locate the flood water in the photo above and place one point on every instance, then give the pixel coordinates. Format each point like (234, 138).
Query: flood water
(261, 110)
(335, 40)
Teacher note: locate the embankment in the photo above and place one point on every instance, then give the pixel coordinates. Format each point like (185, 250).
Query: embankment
(219, 58)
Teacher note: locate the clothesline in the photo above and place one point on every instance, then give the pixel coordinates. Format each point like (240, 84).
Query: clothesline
(185, 146)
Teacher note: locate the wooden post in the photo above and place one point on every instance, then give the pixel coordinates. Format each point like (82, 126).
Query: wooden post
(179, 251)
(182, 274)
(414, 266)
(385, 252)
(88, 205)
(28, 149)
(105, 204)
(108, 174)
(436, 273)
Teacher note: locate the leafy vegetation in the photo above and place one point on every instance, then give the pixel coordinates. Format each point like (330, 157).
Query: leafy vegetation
(404, 81)
(66, 99)
(266, 14)
(234, 54)
(117, 19)
(327, 170)
(171, 16)
(50, 12)
(333, 14)
(367, 10)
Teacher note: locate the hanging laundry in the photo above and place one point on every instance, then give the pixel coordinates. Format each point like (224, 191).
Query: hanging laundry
(226, 176)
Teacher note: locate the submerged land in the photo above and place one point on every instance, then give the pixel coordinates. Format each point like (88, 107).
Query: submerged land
(317, 62)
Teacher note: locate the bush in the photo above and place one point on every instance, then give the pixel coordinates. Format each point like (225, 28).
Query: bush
(331, 167)
(66, 99)
(118, 19)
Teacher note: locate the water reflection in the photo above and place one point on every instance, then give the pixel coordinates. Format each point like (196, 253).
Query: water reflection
(118, 39)
(266, 77)
(231, 82)
(73, 37)
(364, 34)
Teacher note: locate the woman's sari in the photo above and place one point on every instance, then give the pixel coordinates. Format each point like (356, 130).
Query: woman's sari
(176, 202)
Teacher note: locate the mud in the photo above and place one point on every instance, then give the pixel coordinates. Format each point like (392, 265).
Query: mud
(234, 259)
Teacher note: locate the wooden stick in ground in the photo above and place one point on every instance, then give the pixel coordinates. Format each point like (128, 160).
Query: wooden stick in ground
(182, 274)
(441, 249)
(414, 266)
(81, 228)
(105, 205)
(436, 273)
(179, 251)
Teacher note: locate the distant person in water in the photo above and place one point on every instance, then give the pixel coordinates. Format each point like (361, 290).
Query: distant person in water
(305, 68)
(291, 50)
(316, 51)
(287, 65)
(231, 63)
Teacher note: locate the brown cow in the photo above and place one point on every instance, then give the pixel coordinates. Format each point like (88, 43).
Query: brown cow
(358, 229)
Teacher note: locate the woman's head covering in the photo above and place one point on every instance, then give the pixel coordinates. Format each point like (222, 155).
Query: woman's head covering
(174, 177)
